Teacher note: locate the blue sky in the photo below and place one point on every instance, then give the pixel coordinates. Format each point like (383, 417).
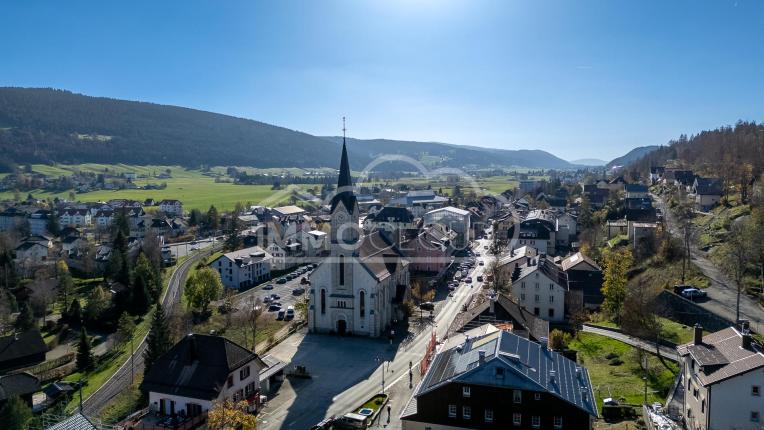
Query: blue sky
(577, 78)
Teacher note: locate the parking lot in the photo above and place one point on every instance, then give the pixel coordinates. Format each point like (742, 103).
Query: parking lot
(285, 292)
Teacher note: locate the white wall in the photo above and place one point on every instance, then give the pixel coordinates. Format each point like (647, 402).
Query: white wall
(731, 402)
(543, 291)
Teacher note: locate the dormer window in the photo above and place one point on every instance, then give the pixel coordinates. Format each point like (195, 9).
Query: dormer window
(466, 391)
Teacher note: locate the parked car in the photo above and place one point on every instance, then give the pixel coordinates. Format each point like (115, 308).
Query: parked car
(482, 263)
(290, 313)
(427, 306)
(480, 278)
(267, 299)
(297, 291)
(281, 281)
(268, 287)
(693, 293)
(468, 280)
(275, 296)
(274, 307)
(281, 315)
(679, 288)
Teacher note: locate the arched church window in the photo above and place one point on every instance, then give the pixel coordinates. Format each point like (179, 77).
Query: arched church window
(323, 301)
(362, 303)
(342, 270)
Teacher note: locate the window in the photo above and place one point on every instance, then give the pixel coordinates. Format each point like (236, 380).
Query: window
(488, 416)
(452, 411)
(342, 270)
(536, 421)
(558, 422)
(522, 285)
(230, 381)
(517, 419)
(536, 311)
(551, 312)
(703, 406)
(244, 373)
(537, 286)
(537, 298)
(551, 299)
(522, 296)
(754, 416)
(695, 393)
(466, 412)
(323, 301)
(517, 396)
(551, 287)
(755, 390)
(536, 396)
(362, 303)
(466, 391)
(500, 372)
(249, 389)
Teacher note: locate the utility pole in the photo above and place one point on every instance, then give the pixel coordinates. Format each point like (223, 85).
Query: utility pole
(132, 362)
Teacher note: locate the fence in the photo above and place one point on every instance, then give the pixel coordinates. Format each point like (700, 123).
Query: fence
(49, 370)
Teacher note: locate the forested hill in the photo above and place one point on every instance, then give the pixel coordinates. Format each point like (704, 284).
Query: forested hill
(731, 153)
(45, 125)
(435, 154)
(632, 156)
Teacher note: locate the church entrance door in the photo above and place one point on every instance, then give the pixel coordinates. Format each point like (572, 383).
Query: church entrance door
(342, 327)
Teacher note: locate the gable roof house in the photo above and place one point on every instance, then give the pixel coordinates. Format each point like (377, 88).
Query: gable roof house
(21, 350)
(708, 192)
(491, 378)
(396, 221)
(541, 287)
(722, 376)
(636, 191)
(584, 282)
(200, 369)
(243, 268)
(500, 311)
(22, 385)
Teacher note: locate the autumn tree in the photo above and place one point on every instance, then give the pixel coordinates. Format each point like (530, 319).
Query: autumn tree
(203, 287)
(737, 253)
(96, 305)
(228, 415)
(559, 340)
(616, 266)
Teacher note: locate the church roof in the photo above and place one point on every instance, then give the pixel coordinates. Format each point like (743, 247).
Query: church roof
(344, 184)
(379, 256)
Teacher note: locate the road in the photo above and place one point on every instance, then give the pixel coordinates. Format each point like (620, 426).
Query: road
(722, 292)
(123, 376)
(348, 370)
(184, 248)
(636, 342)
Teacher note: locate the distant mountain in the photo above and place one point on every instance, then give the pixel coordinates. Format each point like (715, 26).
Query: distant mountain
(589, 162)
(632, 156)
(42, 125)
(435, 154)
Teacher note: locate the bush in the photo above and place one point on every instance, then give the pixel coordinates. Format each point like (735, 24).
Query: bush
(615, 362)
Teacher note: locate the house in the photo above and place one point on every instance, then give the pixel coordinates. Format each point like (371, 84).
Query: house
(584, 282)
(528, 186)
(32, 252)
(78, 421)
(395, 221)
(243, 268)
(73, 217)
(722, 375)
(492, 378)
(288, 211)
(199, 370)
(21, 385)
(361, 287)
(636, 191)
(420, 201)
(500, 311)
(21, 350)
(39, 221)
(12, 218)
(541, 286)
(708, 192)
(72, 243)
(104, 218)
(430, 251)
(538, 230)
(454, 219)
(171, 207)
(567, 229)
(656, 174)
(286, 255)
(515, 258)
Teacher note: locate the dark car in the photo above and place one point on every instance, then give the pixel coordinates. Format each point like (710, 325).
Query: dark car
(275, 296)
(297, 291)
(268, 287)
(274, 307)
(427, 306)
(281, 281)
(281, 315)
(693, 293)
(480, 278)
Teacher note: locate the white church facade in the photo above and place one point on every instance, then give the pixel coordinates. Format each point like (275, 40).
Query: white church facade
(359, 289)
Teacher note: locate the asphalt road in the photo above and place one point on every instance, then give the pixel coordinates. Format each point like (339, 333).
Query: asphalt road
(722, 292)
(184, 248)
(123, 376)
(348, 370)
(642, 344)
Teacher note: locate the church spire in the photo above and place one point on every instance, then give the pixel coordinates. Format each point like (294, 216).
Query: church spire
(344, 180)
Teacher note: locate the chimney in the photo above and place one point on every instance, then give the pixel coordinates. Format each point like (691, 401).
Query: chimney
(745, 334)
(481, 357)
(543, 342)
(492, 301)
(698, 335)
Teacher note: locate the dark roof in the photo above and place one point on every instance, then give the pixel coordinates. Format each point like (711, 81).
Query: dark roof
(535, 327)
(379, 256)
(527, 365)
(722, 356)
(344, 184)
(24, 344)
(393, 214)
(708, 186)
(547, 267)
(198, 366)
(636, 188)
(18, 384)
(685, 177)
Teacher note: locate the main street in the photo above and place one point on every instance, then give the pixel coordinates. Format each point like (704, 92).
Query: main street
(722, 292)
(123, 377)
(346, 371)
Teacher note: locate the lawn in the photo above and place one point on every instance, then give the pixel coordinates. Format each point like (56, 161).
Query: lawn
(194, 188)
(615, 370)
(267, 326)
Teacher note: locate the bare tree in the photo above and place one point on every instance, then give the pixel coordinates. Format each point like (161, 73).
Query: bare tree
(736, 259)
(251, 312)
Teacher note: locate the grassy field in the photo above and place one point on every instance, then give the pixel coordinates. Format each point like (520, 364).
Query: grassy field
(615, 370)
(195, 189)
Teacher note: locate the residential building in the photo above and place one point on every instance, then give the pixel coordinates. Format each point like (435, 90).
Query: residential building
(636, 191)
(288, 211)
(32, 252)
(430, 251)
(21, 350)
(455, 219)
(500, 311)
(541, 286)
(708, 193)
(104, 218)
(514, 258)
(171, 207)
(243, 268)
(12, 218)
(656, 174)
(722, 375)
(497, 379)
(39, 221)
(199, 370)
(73, 217)
(584, 282)
(21, 385)
(395, 221)
(420, 201)
(360, 288)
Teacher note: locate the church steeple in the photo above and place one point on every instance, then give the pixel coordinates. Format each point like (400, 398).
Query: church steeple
(344, 180)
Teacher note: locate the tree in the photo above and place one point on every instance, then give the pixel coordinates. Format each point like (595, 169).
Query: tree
(125, 328)
(84, 352)
(6, 309)
(230, 416)
(146, 283)
(53, 226)
(737, 254)
(617, 264)
(158, 340)
(97, 303)
(233, 241)
(213, 218)
(195, 217)
(559, 340)
(25, 320)
(15, 414)
(121, 223)
(203, 287)
(74, 313)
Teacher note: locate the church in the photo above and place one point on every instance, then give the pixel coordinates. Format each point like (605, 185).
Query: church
(360, 288)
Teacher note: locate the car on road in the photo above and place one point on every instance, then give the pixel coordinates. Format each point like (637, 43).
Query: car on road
(679, 288)
(304, 280)
(290, 313)
(482, 263)
(267, 299)
(427, 306)
(693, 293)
(275, 296)
(468, 280)
(268, 287)
(281, 315)
(485, 246)
(274, 307)
(477, 254)
(451, 294)
(297, 291)
(479, 278)
(281, 281)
